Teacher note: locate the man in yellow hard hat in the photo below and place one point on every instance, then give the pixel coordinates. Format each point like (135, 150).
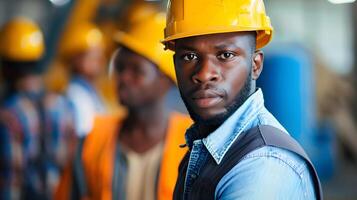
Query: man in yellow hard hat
(139, 157)
(82, 49)
(36, 130)
(237, 149)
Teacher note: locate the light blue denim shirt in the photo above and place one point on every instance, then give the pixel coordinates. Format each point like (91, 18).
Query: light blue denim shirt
(266, 173)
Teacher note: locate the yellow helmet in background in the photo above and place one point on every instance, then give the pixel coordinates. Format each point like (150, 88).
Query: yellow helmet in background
(80, 37)
(137, 11)
(21, 40)
(143, 37)
(188, 18)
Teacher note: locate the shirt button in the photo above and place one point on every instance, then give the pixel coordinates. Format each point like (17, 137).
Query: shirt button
(193, 176)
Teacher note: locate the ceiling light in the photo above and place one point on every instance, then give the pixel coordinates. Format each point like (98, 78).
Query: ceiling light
(341, 1)
(59, 2)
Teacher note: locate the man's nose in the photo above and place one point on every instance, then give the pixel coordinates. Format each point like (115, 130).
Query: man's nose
(206, 72)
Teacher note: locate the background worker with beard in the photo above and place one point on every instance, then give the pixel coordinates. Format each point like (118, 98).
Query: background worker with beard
(138, 158)
(36, 131)
(237, 149)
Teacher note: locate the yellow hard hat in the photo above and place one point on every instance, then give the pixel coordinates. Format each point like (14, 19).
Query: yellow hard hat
(139, 10)
(143, 37)
(80, 37)
(21, 40)
(188, 18)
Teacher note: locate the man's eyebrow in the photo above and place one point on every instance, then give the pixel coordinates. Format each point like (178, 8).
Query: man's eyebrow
(185, 47)
(225, 46)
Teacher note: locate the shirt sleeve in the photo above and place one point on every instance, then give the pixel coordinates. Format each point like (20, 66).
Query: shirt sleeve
(11, 163)
(267, 173)
(83, 109)
(5, 163)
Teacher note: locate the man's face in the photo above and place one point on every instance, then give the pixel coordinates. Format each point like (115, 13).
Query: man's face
(90, 63)
(139, 80)
(215, 74)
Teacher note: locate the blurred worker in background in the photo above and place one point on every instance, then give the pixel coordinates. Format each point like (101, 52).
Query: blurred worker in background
(138, 157)
(36, 130)
(82, 49)
(237, 147)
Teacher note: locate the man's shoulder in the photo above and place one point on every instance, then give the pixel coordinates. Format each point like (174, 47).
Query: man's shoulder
(102, 138)
(75, 89)
(260, 168)
(273, 155)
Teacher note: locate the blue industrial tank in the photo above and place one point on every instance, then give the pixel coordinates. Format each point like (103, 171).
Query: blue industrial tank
(288, 83)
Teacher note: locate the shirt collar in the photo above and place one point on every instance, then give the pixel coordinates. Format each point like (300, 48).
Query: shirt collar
(219, 141)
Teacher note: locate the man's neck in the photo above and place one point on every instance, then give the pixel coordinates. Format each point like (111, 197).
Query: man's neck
(204, 130)
(145, 127)
(30, 84)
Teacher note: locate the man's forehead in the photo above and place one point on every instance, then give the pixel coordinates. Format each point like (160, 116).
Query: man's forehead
(218, 41)
(125, 54)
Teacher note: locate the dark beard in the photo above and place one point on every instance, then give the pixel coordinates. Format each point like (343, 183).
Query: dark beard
(217, 120)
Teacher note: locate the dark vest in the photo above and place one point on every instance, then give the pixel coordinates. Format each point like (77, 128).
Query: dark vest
(205, 185)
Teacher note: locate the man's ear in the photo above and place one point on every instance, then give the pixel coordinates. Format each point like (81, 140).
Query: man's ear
(174, 57)
(257, 64)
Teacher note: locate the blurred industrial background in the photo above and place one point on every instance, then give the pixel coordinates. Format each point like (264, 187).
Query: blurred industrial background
(309, 75)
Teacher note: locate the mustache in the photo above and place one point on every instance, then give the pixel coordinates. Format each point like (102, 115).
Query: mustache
(210, 88)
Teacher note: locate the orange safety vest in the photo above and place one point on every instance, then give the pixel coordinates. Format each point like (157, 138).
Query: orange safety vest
(102, 124)
(63, 190)
(99, 154)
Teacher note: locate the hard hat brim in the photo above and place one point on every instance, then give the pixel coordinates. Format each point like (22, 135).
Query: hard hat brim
(264, 36)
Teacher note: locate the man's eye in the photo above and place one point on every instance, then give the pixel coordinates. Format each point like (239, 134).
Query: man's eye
(189, 57)
(225, 56)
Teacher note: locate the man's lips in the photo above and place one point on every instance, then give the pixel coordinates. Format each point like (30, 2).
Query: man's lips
(206, 98)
